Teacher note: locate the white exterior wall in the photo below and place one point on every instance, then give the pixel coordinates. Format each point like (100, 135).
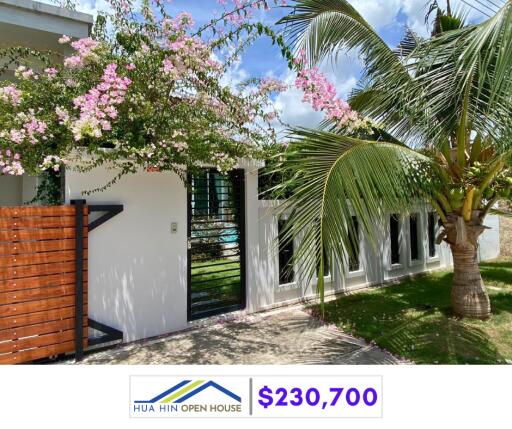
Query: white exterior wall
(375, 264)
(138, 269)
(17, 190)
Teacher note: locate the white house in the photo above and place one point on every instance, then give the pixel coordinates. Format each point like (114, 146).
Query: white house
(38, 26)
(175, 257)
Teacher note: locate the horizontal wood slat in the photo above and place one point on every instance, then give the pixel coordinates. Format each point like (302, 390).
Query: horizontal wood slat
(38, 222)
(38, 353)
(38, 329)
(38, 246)
(38, 282)
(38, 258)
(35, 294)
(39, 317)
(38, 305)
(38, 234)
(37, 211)
(37, 270)
(40, 340)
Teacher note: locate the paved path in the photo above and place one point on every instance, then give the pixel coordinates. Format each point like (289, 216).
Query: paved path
(289, 336)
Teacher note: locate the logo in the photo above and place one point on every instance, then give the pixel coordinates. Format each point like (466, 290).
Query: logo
(200, 397)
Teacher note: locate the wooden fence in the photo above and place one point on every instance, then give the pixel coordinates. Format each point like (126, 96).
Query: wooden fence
(38, 280)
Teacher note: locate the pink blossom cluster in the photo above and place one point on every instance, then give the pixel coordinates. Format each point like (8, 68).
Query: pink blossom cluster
(180, 24)
(51, 162)
(244, 9)
(123, 6)
(85, 49)
(270, 84)
(10, 95)
(31, 129)
(23, 72)
(98, 106)
(62, 115)
(190, 55)
(321, 94)
(10, 163)
(64, 39)
(34, 126)
(51, 72)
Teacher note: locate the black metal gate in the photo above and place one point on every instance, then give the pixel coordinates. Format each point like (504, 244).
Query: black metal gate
(216, 243)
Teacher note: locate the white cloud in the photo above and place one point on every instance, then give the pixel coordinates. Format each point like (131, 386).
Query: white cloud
(378, 13)
(384, 13)
(235, 75)
(94, 6)
(343, 74)
(294, 111)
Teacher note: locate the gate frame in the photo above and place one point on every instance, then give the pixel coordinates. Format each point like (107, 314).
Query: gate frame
(111, 334)
(240, 175)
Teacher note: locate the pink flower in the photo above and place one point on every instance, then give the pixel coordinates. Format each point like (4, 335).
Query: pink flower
(97, 106)
(23, 72)
(10, 163)
(321, 94)
(85, 49)
(62, 115)
(271, 85)
(167, 66)
(64, 39)
(11, 95)
(51, 72)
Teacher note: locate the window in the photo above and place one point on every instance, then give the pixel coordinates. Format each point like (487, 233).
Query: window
(413, 237)
(394, 230)
(327, 269)
(432, 235)
(286, 273)
(353, 262)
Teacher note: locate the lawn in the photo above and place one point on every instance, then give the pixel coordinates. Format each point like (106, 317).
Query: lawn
(215, 283)
(413, 319)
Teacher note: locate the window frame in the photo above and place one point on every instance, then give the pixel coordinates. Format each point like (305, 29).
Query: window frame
(399, 238)
(281, 221)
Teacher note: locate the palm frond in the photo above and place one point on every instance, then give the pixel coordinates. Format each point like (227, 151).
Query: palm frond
(343, 177)
(326, 28)
(469, 69)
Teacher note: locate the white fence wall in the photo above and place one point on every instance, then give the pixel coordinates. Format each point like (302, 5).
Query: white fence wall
(375, 263)
(138, 269)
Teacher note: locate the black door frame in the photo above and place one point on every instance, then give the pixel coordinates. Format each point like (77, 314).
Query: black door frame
(236, 174)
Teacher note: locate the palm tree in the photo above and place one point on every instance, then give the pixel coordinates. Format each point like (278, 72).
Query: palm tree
(443, 105)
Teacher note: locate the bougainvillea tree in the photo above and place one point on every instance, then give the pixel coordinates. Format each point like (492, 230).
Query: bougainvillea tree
(146, 90)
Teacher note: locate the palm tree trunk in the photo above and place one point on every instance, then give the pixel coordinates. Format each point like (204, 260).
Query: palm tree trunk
(469, 296)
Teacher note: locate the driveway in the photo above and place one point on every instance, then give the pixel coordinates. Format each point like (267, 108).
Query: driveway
(289, 336)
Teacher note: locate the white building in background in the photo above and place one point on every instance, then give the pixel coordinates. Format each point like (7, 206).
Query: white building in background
(38, 26)
(141, 277)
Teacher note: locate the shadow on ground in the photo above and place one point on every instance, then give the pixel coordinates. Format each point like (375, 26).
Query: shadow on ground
(414, 319)
(283, 337)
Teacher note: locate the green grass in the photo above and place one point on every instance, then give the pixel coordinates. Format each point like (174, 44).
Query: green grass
(413, 319)
(212, 280)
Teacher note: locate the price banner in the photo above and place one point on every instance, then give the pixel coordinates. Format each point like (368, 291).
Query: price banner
(259, 396)
(336, 396)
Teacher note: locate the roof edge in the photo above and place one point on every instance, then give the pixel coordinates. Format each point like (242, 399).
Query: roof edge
(48, 9)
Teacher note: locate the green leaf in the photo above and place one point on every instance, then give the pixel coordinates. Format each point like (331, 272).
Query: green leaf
(342, 177)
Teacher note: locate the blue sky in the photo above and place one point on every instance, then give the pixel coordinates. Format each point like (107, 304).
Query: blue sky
(389, 17)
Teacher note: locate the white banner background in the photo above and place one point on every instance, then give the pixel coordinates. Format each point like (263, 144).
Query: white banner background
(97, 397)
